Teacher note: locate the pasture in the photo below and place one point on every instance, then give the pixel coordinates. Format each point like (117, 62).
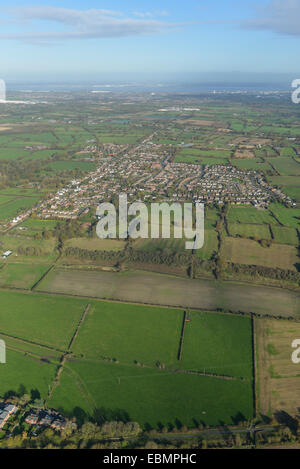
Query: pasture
(124, 361)
(289, 185)
(286, 166)
(159, 245)
(36, 224)
(58, 166)
(246, 251)
(250, 215)
(211, 218)
(251, 164)
(42, 319)
(285, 235)
(218, 344)
(22, 276)
(286, 216)
(200, 160)
(210, 245)
(130, 333)
(96, 244)
(152, 397)
(29, 250)
(14, 207)
(278, 378)
(26, 370)
(246, 230)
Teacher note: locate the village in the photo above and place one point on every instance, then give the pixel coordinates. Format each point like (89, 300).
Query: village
(148, 173)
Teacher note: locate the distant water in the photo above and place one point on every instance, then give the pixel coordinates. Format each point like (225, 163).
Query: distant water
(189, 88)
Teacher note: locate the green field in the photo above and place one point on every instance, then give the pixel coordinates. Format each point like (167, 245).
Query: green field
(27, 370)
(71, 165)
(4, 199)
(286, 166)
(247, 230)
(159, 245)
(43, 319)
(20, 191)
(200, 160)
(289, 185)
(285, 235)
(211, 218)
(249, 215)
(12, 153)
(130, 333)
(218, 344)
(39, 225)
(127, 365)
(286, 216)
(152, 397)
(21, 275)
(11, 209)
(29, 250)
(96, 244)
(42, 154)
(124, 360)
(245, 251)
(248, 164)
(210, 245)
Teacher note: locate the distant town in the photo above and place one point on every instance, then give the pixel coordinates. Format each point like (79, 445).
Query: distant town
(147, 172)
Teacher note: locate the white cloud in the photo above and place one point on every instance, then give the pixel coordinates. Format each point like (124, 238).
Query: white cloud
(85, 24)
(279, 16)
(148, 14)
(140, 14)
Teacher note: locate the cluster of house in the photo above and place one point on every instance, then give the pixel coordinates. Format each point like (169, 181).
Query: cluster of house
(6, 411)
(219, 184)
(146, 171)
(18, 219)
(46, 418)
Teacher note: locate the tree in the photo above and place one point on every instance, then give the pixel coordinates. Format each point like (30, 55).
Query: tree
(24, 399)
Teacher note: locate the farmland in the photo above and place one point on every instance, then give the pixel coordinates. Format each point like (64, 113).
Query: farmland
(286, 216)
(151, 397)
(285, 235)
(123, 353)
(11, 208)
(121, 360)
(23, 276)
(278, 376)
(244, 251)
(27, 371)
(96, 244)
(247, 230)
(29, 250)
(130, 333)
(207, 334)
(159, 289)
(249, 215)
(46, 320)
(104, 309)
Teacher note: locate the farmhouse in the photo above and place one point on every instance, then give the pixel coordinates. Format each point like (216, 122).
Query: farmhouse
(6, 254)
(46, 418)
(6, 410)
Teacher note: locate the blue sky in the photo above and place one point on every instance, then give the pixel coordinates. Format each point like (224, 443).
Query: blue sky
(151, 39)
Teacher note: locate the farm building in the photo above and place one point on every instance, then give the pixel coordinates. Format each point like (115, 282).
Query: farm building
(6, 410)
(6, 254)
